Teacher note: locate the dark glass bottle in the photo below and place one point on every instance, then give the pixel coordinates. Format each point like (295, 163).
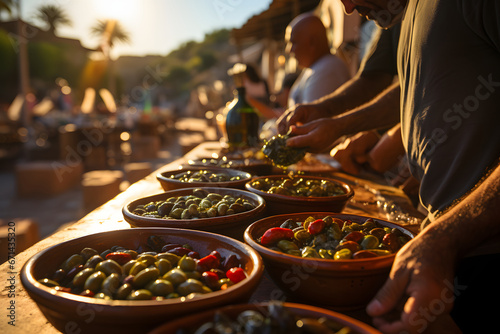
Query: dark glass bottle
(242, 121)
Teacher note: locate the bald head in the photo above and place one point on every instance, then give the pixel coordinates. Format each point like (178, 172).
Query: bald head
(306, 39)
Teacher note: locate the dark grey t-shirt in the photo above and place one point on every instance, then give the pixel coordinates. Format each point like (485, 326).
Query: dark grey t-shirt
(382, 51)
(449, 66)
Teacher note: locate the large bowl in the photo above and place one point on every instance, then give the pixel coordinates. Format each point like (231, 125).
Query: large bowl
(169, 183)
(75, 313)
(337, 284)
(230, 225)
(190, 323)
(277, 204)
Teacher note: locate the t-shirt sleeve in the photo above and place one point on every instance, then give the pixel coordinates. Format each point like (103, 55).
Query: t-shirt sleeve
(382, 52)
(325, 81)
(483, 17)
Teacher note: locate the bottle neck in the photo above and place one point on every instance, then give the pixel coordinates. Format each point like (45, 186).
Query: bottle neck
(240, 92)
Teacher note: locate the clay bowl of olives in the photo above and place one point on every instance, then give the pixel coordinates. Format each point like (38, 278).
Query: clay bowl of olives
(283, 318)
(250, 165)
(225, 211)
(284, 194)
(140, 301)
(338, 262)
(195, 177)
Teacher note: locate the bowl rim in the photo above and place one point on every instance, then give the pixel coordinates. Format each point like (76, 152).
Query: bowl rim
(134, 219)
(355, 324)
(161, 176)
(316, 199)
(321, 264)
(41, 291)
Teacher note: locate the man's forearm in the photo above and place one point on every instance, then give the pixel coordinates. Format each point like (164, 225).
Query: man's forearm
(355, 92)
(381, 112)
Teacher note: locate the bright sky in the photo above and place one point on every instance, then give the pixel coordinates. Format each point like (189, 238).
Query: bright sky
(155, 27)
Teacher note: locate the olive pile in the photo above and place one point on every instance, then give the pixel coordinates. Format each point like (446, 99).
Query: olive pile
(275, 319)
(201, 204)
(299, 186)
(123, 274)
(205, 176)
(280, 154)
(334, 238)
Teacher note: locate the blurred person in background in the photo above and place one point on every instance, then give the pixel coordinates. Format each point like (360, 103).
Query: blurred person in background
(322, 72)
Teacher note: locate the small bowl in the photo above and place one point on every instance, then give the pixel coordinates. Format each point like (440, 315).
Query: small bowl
(252, 166)
(231, 225)
(336, 284)
(70, 312)
(190, 323)
(169, 183)
(277, 204)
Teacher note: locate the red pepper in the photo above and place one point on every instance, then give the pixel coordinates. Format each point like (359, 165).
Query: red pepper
(236, 274)
(351, 245)
(316, 227)
(120, 257)
(208, 262)
(275, 234)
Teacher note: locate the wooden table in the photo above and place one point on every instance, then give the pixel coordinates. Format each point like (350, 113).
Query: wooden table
(28, 318)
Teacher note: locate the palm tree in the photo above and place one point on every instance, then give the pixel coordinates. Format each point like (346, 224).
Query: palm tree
(111, 31)
(53, 17)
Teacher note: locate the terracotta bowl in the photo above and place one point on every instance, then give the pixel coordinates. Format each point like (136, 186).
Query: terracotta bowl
(230, 225)
(168, 183)
(337, 284)
(75, 313)
(252, 166)
(277, 204)
(189, 324)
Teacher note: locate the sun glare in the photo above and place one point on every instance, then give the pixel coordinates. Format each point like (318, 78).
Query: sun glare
(115, 9)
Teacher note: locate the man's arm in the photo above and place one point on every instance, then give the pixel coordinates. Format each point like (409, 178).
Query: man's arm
(419, 276)
(320, 134)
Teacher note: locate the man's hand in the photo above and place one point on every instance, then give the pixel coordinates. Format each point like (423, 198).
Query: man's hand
(354, 151)
(317, 136)
(300, 114)
(422, 281)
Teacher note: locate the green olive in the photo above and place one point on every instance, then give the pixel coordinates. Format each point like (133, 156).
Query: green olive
(111, 283)
(343, 254)
(94, 281)
(123, 291)
(93, 261)
(287, 245)
(187, 263)
(147, 259)
(325, 254)
(87, 253)
(141, 294)
(48, 282)
(175, 276)
(160, 287)
(137, 267)
(81, 277)
(127, 266)
(145, 276)
(302, 235)
(103, 295)
(189, 286)
(73, 261)
(170, 257)
(109, 267)
(369, 241)
(163, 266)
